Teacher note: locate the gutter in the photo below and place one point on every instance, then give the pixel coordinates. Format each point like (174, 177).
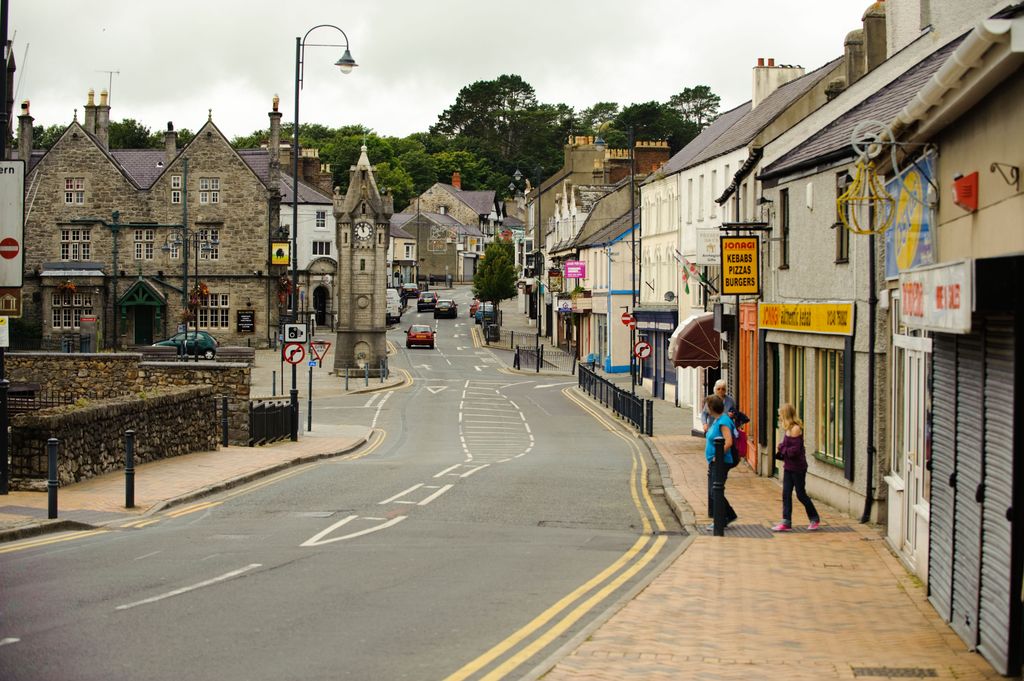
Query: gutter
(744, 170)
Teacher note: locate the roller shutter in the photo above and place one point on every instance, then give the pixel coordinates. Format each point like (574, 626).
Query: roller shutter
(942, 499)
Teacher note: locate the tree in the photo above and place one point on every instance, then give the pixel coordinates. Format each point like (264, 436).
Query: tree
(591, 120)
(655, 121)
(130, 134)
(697, 105)
(44, 138)
(495, 279)
(396, 181)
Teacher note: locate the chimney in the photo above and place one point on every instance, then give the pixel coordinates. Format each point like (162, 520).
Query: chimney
(25, 134)
(834, 88)
(103, 121)
(457, 180)
(769, 77)
(170, 144)
(274, 145)
(874, 35)
(853, 56)
(90, 113)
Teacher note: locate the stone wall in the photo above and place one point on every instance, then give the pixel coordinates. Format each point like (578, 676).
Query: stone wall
(109, 375)
(91, 434)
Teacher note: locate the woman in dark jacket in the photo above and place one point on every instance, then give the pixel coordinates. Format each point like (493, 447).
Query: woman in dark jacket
(794, 470)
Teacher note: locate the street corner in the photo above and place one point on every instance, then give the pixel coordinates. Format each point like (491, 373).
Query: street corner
(396, 380)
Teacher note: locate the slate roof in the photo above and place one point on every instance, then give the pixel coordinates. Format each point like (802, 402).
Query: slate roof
(605, 235)
(480, 201)
(682, 158)
(307, 193)
(757, 119)
(259, 161)
(834, 139)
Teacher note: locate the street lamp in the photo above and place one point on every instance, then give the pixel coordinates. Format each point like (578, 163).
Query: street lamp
(346, 63)
(193, 239)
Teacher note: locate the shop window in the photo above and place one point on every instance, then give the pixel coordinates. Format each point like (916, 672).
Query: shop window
(829, 405)
(67, 309)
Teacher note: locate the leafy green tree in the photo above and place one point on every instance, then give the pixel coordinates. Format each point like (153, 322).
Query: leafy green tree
(396, 181)
(593, 119)
(495, 278)
(653, 121)
(474, 170)
(44, 138)
(130, 134)
(697, 105)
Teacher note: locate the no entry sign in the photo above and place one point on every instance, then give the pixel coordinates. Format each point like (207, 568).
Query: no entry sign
(12, 222)
(9, 248)
(628, 320)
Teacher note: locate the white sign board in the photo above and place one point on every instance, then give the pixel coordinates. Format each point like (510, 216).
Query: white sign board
(12, 223)
(939, 298)
(5, 333)
(294, 333)
(709, 249)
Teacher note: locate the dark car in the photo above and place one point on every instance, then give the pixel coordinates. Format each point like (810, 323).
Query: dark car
(446, 308)
(426, 301)
(207, 344)
(407, 291)
(419, 334)
(485, 314)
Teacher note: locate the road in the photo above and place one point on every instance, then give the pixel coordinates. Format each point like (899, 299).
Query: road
(489, 521)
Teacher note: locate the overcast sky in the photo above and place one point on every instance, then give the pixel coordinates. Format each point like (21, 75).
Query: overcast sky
(175, 61)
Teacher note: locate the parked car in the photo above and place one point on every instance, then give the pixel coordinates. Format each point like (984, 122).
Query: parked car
(446, 308)
(407, 291)
(426, 301)
(187, 346)
(419, 334)
(485, 314)
(473, 307)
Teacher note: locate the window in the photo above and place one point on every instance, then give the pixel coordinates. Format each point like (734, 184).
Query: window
(700, 198)
(213, 311)
(209, 190)
(68, 308)
(175, 188)
(173, 250)
(408, 251)
(74, 190)
(362, 264)
(714, 191)
(74, 244)
(689, 200)
(144, 244)
(443, 210)
(784, 229)
(321, 248)
(321, 219)
(207, 250)
(794, 392)
(829, 421)
(842, 234)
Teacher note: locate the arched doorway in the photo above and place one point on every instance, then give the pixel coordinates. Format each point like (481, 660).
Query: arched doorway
(321, 295)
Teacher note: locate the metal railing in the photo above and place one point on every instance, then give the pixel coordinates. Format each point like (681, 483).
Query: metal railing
(269, 421)
(21, 403)
(632, 408)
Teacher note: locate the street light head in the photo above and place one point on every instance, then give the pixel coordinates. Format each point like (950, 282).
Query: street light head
(346, 63)
(517, 175)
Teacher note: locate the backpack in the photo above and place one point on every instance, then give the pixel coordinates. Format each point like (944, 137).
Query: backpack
(739, 447)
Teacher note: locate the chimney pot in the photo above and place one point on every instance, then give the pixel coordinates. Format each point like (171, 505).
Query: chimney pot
(760, 61)
(771, 61)
(457, 180)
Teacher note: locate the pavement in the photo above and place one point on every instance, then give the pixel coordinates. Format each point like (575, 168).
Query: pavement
(830, 604)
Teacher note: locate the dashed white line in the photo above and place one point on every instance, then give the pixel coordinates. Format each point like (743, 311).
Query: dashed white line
(401, 494)
(447, 470)
(435, 495)
(474, 470)
(193, 587)
(8, 641)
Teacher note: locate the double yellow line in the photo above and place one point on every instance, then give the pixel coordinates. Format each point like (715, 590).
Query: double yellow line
(561, 616)
(33, 543)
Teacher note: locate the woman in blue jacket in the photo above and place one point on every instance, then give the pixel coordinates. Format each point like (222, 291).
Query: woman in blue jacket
(721, 426)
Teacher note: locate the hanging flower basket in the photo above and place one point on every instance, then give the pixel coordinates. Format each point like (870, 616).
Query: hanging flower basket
(284, 284)
(186, 316)
(67, 287)
(198, 292)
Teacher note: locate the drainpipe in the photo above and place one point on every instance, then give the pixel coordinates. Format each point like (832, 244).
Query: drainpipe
(872, 305)
(608, 305)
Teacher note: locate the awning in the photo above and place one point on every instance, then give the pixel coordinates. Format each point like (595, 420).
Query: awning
(695, 343)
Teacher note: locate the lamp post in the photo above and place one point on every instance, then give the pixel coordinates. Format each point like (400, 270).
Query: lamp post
(346, 63)
(193, 239)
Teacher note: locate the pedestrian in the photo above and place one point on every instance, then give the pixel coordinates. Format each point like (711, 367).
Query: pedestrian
(721, 426)
(794, 470)
(729, 404)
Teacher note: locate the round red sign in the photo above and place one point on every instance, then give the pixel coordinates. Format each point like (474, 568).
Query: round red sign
(9, 248)
(628, 319)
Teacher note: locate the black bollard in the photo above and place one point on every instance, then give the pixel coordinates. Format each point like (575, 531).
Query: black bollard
(346, 379)
(366, 374)
(273, 384)
(51, 482)
(718, 487)
(309, 403)
(129, 469)
(224, 420)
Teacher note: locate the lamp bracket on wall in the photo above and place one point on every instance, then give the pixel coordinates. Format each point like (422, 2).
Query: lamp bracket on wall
(1011, 174)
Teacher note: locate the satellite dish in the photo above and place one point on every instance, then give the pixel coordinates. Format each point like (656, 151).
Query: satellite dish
(669, 296)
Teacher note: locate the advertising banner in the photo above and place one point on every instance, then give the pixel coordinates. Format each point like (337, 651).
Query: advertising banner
(939, 298)
(908, 243)
(575, 269)
(740, 274)
(828, 318)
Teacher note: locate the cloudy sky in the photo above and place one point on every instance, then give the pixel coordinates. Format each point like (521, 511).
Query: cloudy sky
(175, 61)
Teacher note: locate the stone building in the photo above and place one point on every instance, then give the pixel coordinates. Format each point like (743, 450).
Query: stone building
(107, 262)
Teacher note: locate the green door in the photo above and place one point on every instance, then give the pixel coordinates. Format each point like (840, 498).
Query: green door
(143, 325)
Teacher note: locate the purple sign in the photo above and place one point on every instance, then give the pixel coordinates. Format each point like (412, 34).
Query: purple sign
(575, 269)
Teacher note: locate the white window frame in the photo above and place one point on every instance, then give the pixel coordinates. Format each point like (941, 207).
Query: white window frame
(320, 218)
(75, 244)
(67, 309)
(74, 191)
(144, 239)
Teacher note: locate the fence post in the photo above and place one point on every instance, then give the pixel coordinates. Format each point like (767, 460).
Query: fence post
(383, 368)
(650, 417)
(346, 379)
(366, 374)
(718, 487)
(224, 420)
(273, 384)
(540, 357)
(129, 468)
(51, 481)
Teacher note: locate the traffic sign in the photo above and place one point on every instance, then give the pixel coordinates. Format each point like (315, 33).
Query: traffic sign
(295, 333)
(12, 223)
(294, 353)
(628, 320)
(642, 349)
(319, 348)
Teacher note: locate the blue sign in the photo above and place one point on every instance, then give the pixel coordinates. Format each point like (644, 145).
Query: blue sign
(908, 243)
(312, 362)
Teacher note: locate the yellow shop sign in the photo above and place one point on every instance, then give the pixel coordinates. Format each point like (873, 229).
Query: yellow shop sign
(834, 318)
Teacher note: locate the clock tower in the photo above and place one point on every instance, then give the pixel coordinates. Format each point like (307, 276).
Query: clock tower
(363, 219)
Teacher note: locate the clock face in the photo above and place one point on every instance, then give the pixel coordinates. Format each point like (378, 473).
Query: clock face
(363, 231)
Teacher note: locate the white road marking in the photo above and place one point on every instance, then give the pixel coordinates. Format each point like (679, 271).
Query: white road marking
(387, 396)
(554, 385)
(436, 389)
(401, 494)
(6, 641)
(373, 398)
(316, 540)
(147, 555)
(474, 470)
(435, 495)
(479, 368)
(185, 589)
(447, 470)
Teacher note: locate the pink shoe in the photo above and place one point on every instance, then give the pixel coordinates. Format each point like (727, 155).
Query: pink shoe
(782, 527)
(815, 524)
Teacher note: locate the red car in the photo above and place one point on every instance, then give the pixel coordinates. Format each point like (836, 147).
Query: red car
(473, 307)
(419, 334)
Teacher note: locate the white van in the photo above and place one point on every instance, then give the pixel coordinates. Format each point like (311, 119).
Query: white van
(394, 313)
